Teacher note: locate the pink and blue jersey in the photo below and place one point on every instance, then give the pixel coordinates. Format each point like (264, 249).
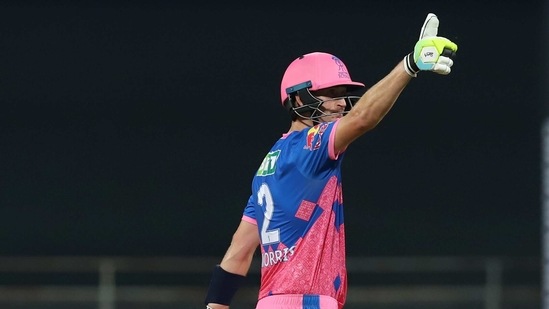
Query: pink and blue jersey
(297, 204)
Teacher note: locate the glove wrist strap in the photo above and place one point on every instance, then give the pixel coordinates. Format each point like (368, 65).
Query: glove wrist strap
(410, 66)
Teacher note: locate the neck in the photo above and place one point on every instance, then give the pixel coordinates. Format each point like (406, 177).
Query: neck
(300, 124)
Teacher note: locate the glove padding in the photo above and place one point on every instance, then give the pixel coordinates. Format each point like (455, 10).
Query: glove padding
(431, 52)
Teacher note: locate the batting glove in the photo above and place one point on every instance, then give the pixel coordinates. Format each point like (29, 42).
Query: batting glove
(431, 52)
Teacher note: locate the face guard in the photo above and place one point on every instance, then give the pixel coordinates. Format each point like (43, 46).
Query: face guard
(311, 108)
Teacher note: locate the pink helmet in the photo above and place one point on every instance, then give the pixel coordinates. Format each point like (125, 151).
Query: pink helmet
(316, 70)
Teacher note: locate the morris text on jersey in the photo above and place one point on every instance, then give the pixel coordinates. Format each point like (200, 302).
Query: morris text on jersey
(271, 258)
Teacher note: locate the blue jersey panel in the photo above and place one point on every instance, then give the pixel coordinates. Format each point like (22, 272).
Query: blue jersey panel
(297, 203)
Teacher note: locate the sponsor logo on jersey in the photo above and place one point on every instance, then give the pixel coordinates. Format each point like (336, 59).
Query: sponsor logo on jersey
(314, 136)
(268, 166)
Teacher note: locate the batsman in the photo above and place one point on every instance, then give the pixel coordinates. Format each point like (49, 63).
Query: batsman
(294, 213)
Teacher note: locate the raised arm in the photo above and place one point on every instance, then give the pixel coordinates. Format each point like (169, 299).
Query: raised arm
(431, 53)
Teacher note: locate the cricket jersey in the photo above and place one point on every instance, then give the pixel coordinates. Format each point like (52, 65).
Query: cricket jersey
(297, 204)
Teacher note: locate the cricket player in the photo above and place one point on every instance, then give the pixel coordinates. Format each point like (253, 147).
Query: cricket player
(295, 211)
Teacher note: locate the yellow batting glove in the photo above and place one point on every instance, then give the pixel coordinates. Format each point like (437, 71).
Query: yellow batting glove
(431, 52)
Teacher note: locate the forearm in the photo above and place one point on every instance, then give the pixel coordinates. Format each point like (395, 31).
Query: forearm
(234, 267)
(237, 260)
(380, 98)
(239, 255)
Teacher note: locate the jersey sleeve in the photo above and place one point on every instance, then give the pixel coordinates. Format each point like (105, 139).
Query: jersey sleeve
(249, 211)
(317, 156)
(331, 147)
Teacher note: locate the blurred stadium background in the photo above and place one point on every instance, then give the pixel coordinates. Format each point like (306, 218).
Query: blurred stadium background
(130, 131)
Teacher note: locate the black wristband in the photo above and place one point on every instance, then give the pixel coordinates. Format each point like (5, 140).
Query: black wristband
(223, 286)
(409, 64)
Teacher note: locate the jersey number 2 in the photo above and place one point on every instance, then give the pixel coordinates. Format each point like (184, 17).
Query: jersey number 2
(264, 196)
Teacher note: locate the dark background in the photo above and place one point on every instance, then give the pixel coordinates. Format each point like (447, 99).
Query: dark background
(134, 128)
